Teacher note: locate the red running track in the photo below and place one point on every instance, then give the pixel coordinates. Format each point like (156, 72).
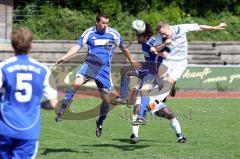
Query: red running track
(179, 94)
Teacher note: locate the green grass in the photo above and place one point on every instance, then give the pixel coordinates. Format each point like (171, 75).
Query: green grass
(211, 126)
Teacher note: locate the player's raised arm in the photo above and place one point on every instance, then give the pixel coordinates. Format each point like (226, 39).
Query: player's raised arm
(221, 26)
(69, 54)
(158, 49)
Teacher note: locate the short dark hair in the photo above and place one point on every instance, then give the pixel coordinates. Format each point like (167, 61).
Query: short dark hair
(21, 40)
(100, 15)
(148, 32)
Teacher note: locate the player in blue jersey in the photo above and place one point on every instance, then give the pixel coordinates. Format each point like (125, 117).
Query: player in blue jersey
(152, 61)
(24, 81)
(101, 41)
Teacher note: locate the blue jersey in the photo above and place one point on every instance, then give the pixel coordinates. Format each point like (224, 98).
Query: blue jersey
(148, 55)
(25, 82)
(100, 44)
(152, 61)
(100, 51)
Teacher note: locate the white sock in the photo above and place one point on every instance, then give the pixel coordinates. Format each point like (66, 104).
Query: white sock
(134, 117)
(135, 128)
(176, 126)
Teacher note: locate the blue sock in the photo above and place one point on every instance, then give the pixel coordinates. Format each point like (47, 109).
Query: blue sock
(144, 102)
(124, 87)
(68, 96)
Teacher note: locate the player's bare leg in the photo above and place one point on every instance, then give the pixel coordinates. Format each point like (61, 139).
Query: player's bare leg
(174, 123)
(133, 97)
(145, 97)
(135, 93)
(173, 90)
(138, 112)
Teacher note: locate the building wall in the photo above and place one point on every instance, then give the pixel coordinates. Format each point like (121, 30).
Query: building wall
(6, 12)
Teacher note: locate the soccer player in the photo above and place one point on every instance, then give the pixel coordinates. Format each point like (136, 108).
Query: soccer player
(175, 63)
(24, 81)
(144, 36)
(148, 103)
(101, 41)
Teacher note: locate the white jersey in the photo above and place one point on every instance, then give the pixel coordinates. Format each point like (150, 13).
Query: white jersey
(179, 44)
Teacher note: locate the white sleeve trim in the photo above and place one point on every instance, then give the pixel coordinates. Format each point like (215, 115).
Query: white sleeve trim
(1, 78)
(50, 89)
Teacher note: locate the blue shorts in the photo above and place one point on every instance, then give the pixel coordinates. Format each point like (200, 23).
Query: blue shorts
(94, 69)
(17, 148)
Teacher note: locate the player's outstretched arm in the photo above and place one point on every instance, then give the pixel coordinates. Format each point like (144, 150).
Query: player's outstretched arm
(221, 26)
(131, 59)
(69, 54)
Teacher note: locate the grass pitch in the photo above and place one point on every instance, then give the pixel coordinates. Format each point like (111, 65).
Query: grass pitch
(211, 126)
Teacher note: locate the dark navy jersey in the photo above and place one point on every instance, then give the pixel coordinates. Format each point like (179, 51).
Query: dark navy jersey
(148, 55)
(152, 61)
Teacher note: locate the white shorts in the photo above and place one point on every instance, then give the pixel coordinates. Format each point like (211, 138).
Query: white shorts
(175, 68)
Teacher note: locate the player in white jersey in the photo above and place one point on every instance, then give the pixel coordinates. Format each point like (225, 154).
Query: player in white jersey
(24, 82)
(176, 60)
(175, 63)
(101, 41)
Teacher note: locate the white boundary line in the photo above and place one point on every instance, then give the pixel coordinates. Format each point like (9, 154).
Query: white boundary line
(68, 133)
(195, 65)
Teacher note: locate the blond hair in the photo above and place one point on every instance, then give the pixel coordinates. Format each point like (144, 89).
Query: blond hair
(162, 25)
(21, 40)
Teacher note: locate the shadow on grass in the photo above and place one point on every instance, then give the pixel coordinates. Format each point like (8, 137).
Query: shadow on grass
(58, 150)
(128, 141)
(127, 147)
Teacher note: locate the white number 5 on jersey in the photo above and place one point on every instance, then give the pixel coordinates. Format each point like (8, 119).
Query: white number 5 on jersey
(24, 85)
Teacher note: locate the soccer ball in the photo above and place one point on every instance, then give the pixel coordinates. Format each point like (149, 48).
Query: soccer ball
(139, 26)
